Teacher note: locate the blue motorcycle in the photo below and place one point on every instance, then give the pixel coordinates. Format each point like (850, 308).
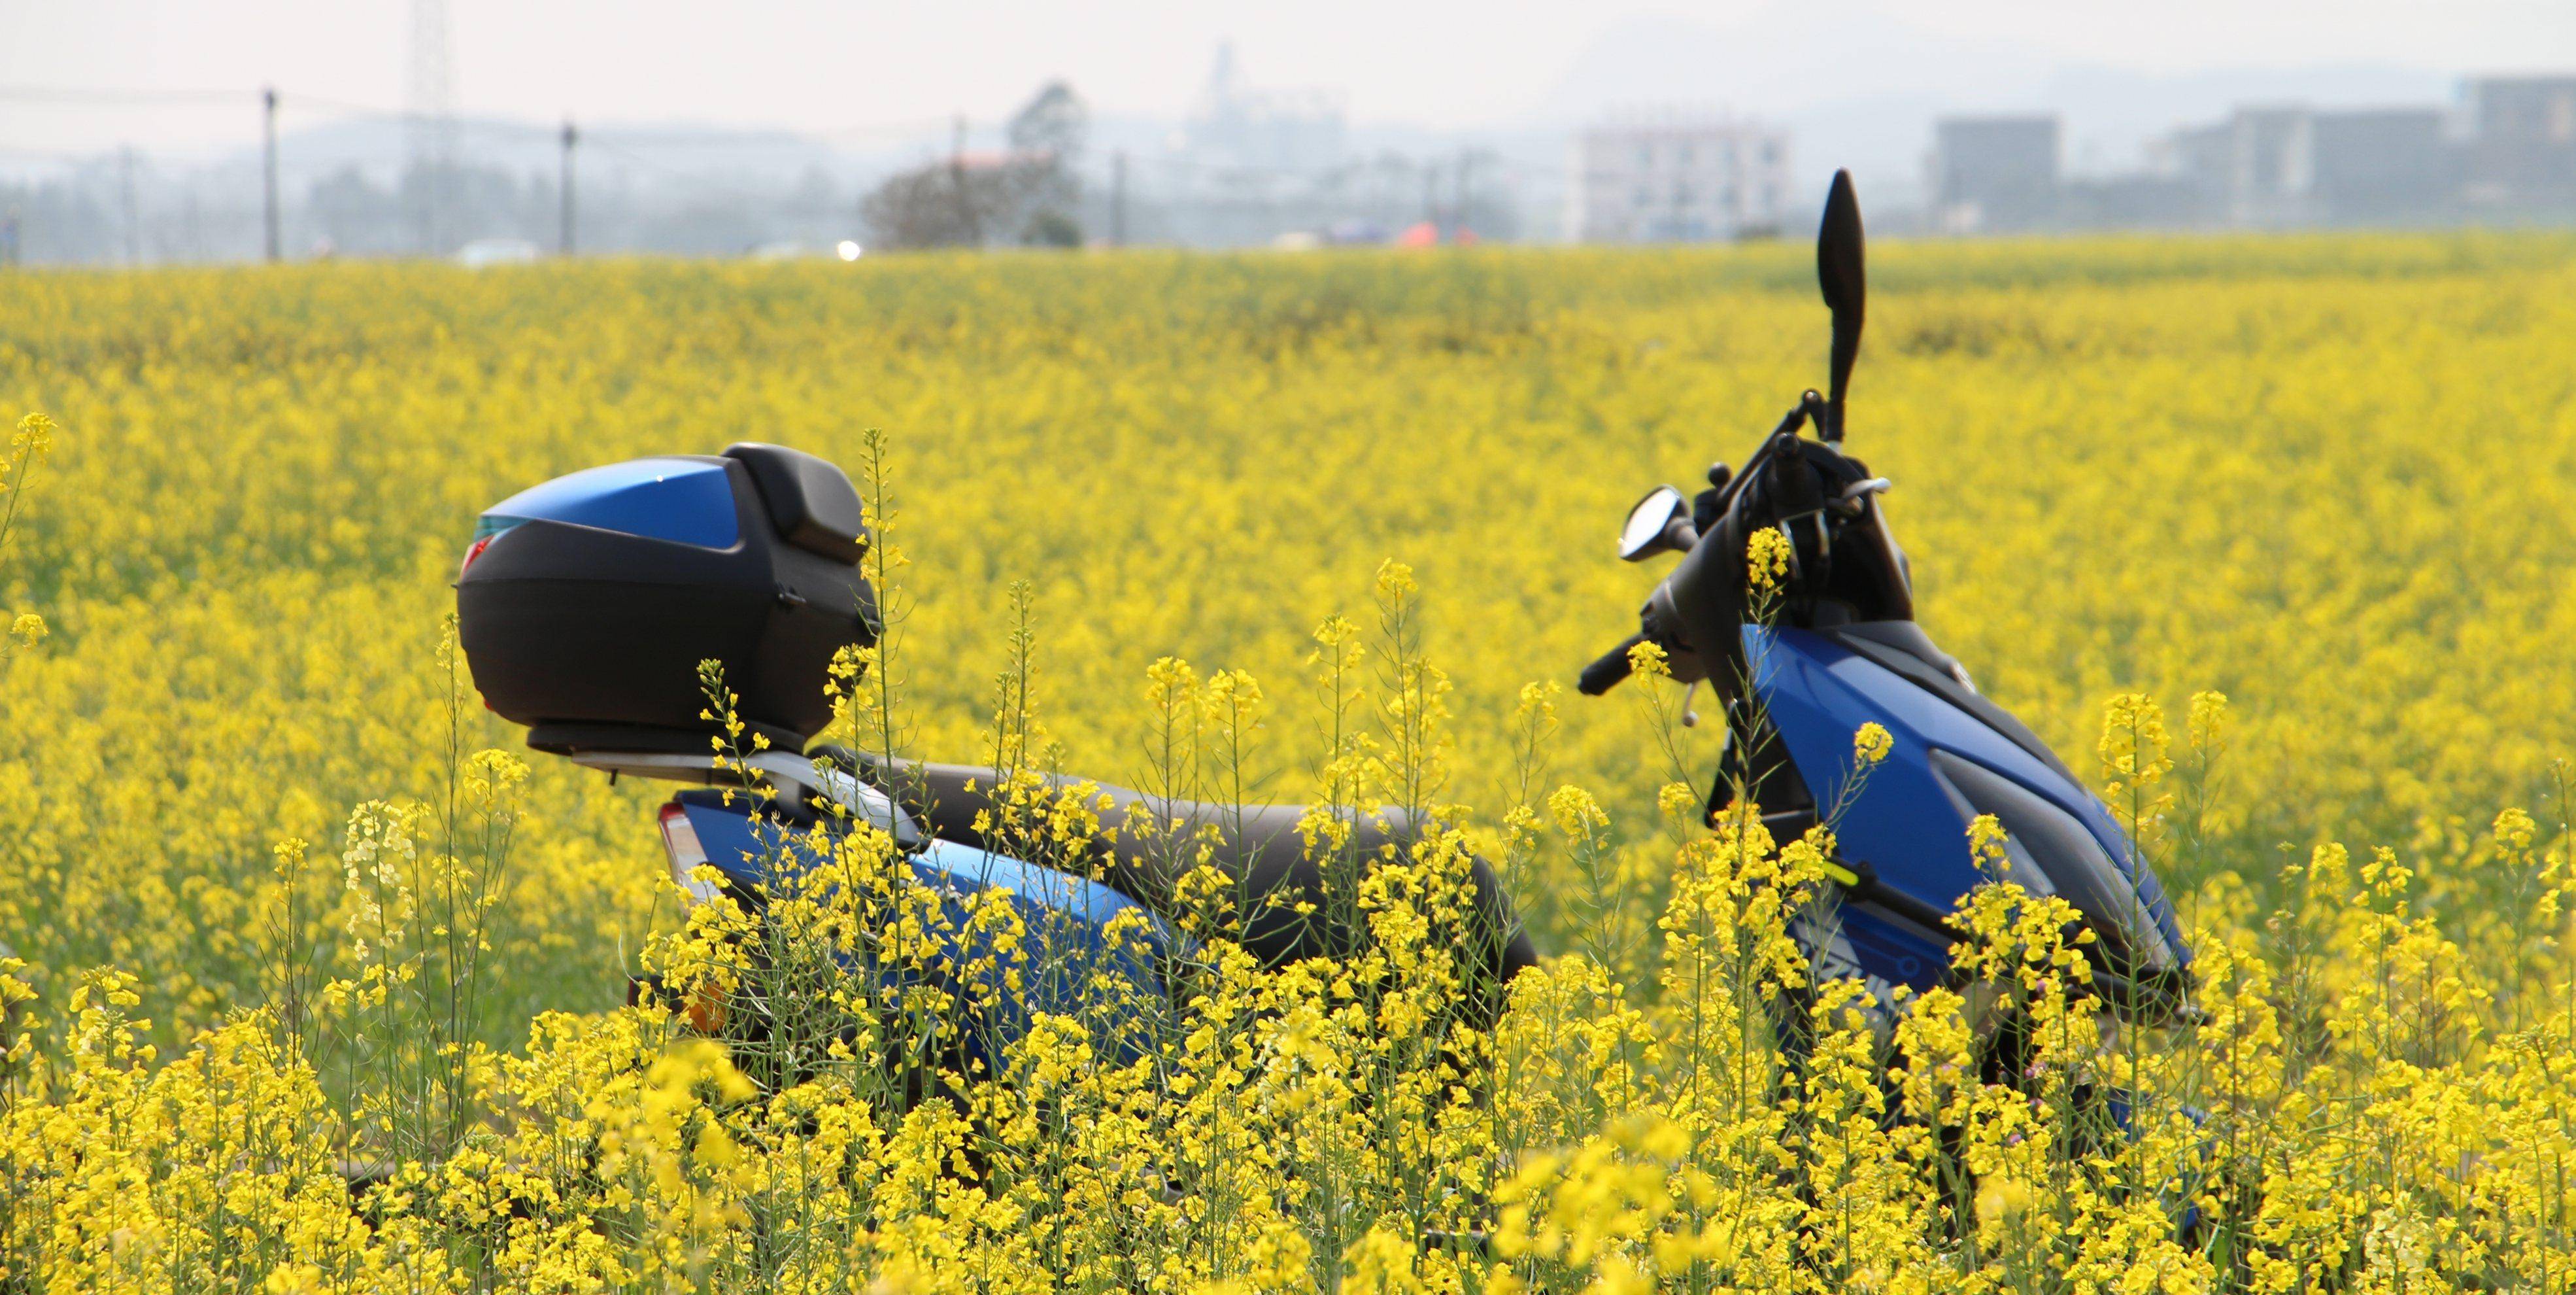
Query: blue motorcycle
(587, 603)
(1838, 648)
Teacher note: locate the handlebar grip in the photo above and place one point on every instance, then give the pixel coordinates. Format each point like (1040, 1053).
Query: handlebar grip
(1604, 674)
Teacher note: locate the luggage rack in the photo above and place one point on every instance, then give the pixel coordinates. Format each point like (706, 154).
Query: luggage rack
(802, 785)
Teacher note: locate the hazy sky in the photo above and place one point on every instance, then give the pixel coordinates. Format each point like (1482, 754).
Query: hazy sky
(811, 65)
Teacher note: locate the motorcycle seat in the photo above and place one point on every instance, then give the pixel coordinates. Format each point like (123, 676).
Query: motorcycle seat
(1287, 904)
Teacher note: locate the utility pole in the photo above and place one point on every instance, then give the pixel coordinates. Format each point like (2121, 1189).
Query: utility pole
(133, 215)
(1460, 216)
(966, 222)
(268, 169)
(1431, 192)
(1118, 199)
(569, 136)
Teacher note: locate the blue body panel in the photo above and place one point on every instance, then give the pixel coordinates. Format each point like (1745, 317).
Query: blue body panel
(1070, 962)
(687, 501)
(1905, 824)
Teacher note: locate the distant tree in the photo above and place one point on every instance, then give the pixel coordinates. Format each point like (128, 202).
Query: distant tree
(1053, 122)
(1052, 229)
(913, 209)
(940, 204)
(355, 215)
(1029, 195)
(1046, 137)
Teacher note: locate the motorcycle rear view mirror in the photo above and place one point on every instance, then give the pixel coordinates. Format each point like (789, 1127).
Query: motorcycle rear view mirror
(1840, 272)
(1660, 523)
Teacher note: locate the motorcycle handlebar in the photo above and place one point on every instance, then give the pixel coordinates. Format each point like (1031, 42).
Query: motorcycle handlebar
(1777, 481)
(1604, 674)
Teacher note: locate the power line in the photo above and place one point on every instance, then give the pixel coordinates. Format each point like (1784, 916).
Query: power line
(907, 126)
(714, 186)
(405, 117)
(1355, 168)
(81, 95)
(632, 137)
(713, 160)
(702, 139)
(927, 127)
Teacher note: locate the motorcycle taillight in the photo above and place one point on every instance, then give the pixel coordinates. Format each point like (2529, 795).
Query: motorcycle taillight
(486, 530)
(680, 841)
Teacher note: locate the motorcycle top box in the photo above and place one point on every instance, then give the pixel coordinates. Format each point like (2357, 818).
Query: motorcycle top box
(586, 603)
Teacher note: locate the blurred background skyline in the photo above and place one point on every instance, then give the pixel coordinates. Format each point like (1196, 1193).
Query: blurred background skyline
(136, 131)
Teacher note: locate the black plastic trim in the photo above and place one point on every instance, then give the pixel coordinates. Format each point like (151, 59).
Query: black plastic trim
(811, 502)
(1885, 644)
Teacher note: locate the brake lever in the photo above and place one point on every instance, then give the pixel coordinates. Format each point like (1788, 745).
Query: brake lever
(1854, 499)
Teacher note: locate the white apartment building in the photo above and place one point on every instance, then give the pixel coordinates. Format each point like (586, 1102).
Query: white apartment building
(1686, 180)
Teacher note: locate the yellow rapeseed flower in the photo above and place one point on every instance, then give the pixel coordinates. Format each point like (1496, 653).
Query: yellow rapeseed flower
(34, 436)
(1871, 742)
(1766, 558)
(407, 1064)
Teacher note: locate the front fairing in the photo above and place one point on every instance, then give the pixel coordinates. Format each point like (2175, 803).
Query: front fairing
(1909, 822)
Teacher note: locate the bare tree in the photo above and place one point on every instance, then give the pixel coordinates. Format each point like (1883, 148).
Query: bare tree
(936, 205)
(1027, 195)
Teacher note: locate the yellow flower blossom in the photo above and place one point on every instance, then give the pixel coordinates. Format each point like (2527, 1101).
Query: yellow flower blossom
(2207, 726)
(1766, 557)
(399, 1058)
(1647, 660)
(1576, 812)
(1871, 742)
(34, 437)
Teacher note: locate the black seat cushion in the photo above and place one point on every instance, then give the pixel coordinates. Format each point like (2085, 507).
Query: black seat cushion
(1255, 847)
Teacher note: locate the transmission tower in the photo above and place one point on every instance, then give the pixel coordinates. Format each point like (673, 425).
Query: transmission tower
(430, 105)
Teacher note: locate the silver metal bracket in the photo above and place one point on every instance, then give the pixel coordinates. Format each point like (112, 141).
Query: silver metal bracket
(796, 781)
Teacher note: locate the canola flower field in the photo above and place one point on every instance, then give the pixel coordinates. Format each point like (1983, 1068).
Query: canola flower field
(312, 977)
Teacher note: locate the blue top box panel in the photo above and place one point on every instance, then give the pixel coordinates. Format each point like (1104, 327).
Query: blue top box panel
(686, 501)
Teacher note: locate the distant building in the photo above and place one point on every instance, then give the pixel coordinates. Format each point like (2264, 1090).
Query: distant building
(2199, 161)
(2508, 153)
(2522, 139)
(2288, 165)
(2271, 164)
(2381, 164)
(2257, 167)
(2131, 201)
(1994, 173)
(1262, 134)
(1250, 163)
(1686, 180)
